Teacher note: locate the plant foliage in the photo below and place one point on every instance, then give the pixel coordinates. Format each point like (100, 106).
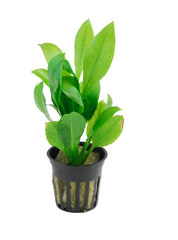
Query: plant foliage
(77, 101)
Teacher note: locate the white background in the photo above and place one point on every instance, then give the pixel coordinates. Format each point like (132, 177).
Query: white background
(139, 188)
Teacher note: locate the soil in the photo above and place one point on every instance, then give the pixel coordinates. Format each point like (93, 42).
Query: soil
(92, 158)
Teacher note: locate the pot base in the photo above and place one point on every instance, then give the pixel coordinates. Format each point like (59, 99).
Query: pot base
(76, 196)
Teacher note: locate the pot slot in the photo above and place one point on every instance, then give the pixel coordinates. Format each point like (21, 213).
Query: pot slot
(76, 196)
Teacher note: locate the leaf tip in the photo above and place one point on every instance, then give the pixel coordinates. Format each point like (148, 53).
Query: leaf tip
(111, 25)
(88, 20)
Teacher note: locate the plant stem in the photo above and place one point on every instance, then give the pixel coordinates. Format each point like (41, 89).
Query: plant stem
(67, 155)
(87, 154)
(48, 117)
(84, 149)
(72, 106)
(59, 112)
(62, 108)
(71, 157)
(76, 157)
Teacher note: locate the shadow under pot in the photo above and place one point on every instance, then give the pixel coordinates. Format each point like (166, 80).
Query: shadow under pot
(76, 188)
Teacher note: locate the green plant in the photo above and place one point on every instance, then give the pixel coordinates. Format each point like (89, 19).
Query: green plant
(77, 102)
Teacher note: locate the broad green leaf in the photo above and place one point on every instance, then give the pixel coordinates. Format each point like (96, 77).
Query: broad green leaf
(108, 132)
(53, 136)
(40, 100)
(104, 117)
(71, 91)
(100, 107)
(43, 74)
(98, 57)
(67, 67)
(73, 80)
(109, 102)
(64, 73)
(90, 101)
(55, 77)
(82, 40)
(65, 133)
(50, 50)
(65, 104)
(76, 124)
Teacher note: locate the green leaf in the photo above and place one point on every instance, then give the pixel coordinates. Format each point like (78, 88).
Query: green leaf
(64, 132)
(90, 101)
(69, 97)
(74, 94)
(98, 57)
(82, 40)
(67, 67)
(100, 107)
(109, 102)
(64, 73)
(108, 132)
(73, 80)
(65, 104)
(76, 124)
(43, 74)
(71, 91)
(103, 117)
(71, 127)
(40, 100)
(50, 50)
(55, 77)
(53, 135)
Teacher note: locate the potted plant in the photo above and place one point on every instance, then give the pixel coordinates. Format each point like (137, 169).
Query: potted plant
(77, 165)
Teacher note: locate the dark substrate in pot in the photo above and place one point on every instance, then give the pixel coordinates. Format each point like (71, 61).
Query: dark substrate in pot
(76, 188)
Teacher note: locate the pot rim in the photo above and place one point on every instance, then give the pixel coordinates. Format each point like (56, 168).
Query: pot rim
(100, 162)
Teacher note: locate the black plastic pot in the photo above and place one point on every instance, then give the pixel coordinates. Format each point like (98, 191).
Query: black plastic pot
(76, 188)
